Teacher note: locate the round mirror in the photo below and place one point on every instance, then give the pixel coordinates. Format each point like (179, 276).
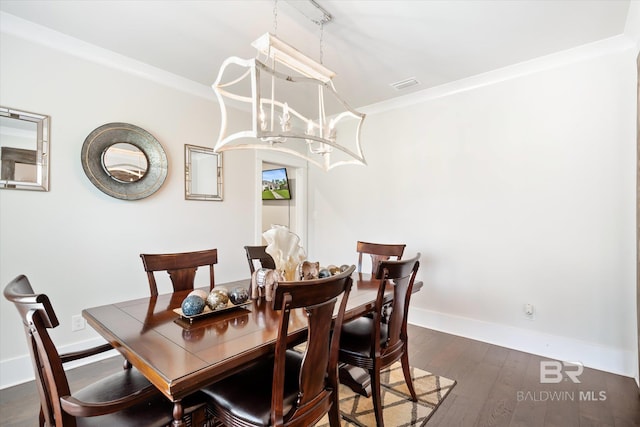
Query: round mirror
(124, 161)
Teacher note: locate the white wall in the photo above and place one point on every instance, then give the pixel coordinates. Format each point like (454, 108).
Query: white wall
(517, 187)
(79, 245)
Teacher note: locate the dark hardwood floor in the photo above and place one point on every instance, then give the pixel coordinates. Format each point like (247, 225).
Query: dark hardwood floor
(495, 386)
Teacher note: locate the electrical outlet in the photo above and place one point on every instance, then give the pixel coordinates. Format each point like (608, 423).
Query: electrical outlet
(528, 311)
(77, 323)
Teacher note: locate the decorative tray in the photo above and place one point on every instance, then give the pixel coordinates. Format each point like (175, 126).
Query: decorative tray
(208, 312)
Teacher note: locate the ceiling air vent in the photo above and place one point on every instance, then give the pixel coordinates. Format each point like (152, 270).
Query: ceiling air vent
(403, 84)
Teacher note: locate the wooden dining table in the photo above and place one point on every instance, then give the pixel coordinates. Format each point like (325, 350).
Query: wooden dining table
(180, 357)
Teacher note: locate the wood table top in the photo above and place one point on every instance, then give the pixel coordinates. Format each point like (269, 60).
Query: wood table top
(179, 358)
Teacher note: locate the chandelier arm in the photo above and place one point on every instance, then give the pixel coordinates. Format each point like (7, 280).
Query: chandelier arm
(321, 114)
(231, 83)
(223, 122)
(274, 147)
(344, 103)
(273, 89)
(234, 96)
(247, 63)
(342, 148)
(220, 146)
(223, 110)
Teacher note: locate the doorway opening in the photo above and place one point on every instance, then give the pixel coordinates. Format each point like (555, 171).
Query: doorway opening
(291, 213)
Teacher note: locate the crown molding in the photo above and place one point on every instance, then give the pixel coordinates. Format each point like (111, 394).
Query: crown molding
(632, 25)
(581, 53)
(27, 30)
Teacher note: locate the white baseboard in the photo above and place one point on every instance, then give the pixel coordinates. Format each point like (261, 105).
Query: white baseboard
(609, 359)
(20, 370)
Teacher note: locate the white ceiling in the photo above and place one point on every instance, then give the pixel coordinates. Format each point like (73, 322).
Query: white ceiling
(369, 44)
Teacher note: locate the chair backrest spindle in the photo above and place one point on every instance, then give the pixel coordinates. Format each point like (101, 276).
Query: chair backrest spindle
(379, 252)
(181, 268)
(402, 276)
(259, 253)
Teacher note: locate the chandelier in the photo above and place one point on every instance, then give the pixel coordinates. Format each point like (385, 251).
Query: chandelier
(294, 107)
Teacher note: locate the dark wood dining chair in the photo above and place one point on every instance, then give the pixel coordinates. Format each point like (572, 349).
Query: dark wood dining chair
(372, 344)
(290, 388)
(378, 252)
(259, 253)
(181, 268)
(125, 398)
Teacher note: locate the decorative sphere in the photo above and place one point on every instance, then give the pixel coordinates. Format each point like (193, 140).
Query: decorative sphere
(343, 268)
(223, 290)
(192, 305)
(217, 300)
(238, 295)
(201, 293)
(324, 273)
(333, 269)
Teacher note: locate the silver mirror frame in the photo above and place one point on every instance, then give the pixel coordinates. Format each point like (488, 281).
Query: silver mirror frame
(107, 135)
(193, 190)
(41, 151)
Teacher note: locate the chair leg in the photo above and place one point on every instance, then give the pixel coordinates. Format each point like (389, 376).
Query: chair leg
(406, 370)
(334, 411)
(376, 395)
(41, 418)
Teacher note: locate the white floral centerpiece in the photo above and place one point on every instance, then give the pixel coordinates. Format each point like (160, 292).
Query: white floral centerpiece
(284, 247)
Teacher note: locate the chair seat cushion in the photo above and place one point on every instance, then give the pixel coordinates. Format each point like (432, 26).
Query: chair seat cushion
(356, 336)
(156, 412)
(113, 386)
(247, 394)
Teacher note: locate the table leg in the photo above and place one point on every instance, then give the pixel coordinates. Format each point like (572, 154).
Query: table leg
(177, 414)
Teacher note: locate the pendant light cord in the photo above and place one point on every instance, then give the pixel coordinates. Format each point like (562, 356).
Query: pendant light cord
(275, 17)
(321, 41)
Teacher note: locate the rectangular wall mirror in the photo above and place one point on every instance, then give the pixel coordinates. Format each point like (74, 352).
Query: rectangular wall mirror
(24, 150)
(202, 173)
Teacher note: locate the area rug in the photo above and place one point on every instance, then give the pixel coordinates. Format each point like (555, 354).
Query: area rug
(398, 409)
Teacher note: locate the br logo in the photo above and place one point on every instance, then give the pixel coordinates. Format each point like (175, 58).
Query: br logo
(553, 372)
